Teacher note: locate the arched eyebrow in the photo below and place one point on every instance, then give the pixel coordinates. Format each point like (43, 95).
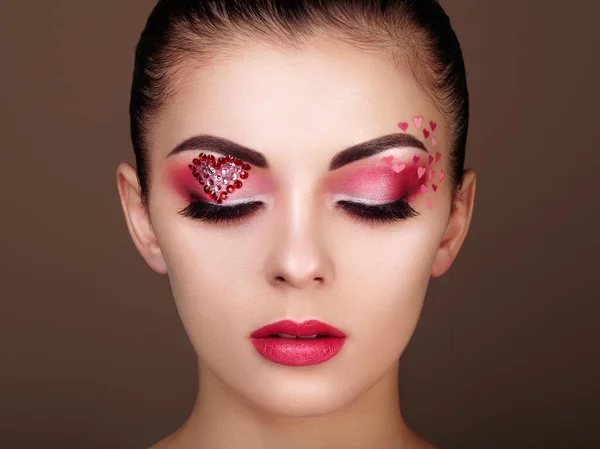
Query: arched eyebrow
(220, 145)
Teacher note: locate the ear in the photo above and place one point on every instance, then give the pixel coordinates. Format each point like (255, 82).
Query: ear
(138, 218)
(457, 227)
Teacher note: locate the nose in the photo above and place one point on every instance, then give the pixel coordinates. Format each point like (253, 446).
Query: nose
(298, 254)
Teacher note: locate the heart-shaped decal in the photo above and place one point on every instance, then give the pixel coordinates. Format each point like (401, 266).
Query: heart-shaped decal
(433, 125)
(397, 168)
(387, 159)
(403, 126)
(421, 171)
(220, 177)
(426, 133)
(418, 121)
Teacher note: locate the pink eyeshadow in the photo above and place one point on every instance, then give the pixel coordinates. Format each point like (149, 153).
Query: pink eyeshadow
(380, 183)
(185, 184)
(377, 183)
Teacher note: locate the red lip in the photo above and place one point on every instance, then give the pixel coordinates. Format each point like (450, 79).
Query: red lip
(304, 329)
(298, 351)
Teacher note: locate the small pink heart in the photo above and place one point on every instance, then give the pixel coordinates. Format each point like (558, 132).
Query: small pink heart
(418, 121)
(403, 126)
(387, 159)
(433, 125)
(416, 159)
(421, 171)
(423, 188)
(434, 141)
(426, 133)
(398, 167)
(434, 187)
(429, 203)
(430, 159)
(440, 175)
(438, 155)
(430, 174)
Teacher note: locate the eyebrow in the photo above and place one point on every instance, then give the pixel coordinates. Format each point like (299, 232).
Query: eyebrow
(220, 145)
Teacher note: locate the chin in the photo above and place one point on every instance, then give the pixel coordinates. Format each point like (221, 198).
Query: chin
(301, 403)
(299, 394)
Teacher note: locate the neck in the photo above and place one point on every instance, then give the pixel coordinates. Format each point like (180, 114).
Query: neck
(223, 419)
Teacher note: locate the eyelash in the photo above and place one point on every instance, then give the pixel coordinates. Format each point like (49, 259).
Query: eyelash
(383, 213)
(230, 215)
(203, 211)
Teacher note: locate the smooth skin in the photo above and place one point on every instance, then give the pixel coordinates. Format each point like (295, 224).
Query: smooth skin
(300, 257)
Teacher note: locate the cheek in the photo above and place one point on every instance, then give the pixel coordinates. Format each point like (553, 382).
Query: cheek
(385, 278)
(193, 260)
(387, 275)
(202, 265)
(210, 305)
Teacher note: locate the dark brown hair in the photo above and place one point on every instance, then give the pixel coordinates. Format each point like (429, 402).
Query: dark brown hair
(416, 33)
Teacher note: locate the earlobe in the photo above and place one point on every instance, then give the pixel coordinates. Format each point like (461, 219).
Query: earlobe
(137, 218)
(458, 226)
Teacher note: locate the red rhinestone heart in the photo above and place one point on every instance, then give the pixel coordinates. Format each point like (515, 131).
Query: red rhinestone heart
(220, 177)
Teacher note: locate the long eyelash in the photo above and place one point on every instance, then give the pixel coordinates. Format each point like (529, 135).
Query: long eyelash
(203, 211)
(383, 213)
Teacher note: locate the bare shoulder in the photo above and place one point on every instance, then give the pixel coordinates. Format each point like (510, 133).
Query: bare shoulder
(416, 441)
(419, 444)
(166, 443)
(162, 444)
(425, 445)
(422, 445)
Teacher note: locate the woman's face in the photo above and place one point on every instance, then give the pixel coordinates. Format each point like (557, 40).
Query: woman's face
(301, 255)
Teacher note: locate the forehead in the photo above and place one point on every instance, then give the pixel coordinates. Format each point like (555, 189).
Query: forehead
(320, 99)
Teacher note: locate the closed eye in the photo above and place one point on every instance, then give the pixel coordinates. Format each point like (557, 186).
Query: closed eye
(381, 213)
(204, 211)
(225, 214)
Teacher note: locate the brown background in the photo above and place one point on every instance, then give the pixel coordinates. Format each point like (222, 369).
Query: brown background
(93, 354)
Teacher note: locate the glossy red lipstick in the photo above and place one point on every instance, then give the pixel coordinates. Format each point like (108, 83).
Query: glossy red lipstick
(298, 344)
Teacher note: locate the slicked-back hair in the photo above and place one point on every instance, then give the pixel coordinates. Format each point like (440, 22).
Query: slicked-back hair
(415, 34)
